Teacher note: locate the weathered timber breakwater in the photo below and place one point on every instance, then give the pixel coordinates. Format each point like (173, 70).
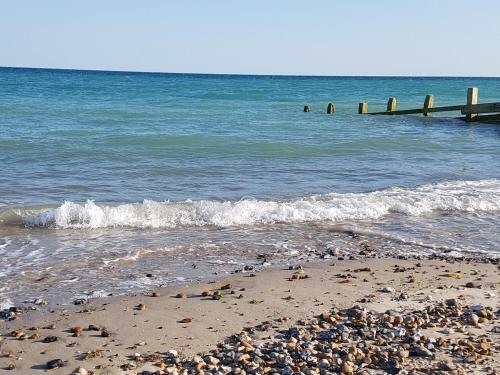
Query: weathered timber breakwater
(473, 111)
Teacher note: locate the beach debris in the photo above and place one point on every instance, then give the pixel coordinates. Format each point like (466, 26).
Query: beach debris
(141, 307)
(207, 293)
(91, 355)
(55, 363)
(80, 301)
(364, 269)
(155, 294)
(388, 289)
(185, 320)
(225, 287)
(181, 295)
(217, 296)
(454, 275)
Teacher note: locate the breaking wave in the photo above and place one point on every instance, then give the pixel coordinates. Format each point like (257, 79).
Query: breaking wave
(457, 196)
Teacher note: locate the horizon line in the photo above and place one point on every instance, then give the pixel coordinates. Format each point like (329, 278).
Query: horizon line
(242, 74)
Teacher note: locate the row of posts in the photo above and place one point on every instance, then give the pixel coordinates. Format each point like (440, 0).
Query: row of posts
(330, 108)
(391, 106)
(472, 99)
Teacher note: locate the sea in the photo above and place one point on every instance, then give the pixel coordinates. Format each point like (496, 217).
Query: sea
(120, 182)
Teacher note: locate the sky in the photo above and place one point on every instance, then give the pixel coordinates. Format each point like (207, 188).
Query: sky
(315, 37)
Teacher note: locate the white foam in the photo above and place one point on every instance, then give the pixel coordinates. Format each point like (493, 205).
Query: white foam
(456, 196)
(4, 243)
(5, 303)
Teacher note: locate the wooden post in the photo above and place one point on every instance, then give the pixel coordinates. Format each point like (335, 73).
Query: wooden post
(391, 105)
(307, 108)
(363, 108)
(428, 103)
(330, 108)
(472, 96)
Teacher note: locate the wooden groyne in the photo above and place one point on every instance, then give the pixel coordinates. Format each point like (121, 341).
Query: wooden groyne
(473, 111)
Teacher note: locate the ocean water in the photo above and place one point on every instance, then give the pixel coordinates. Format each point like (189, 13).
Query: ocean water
(106, 177)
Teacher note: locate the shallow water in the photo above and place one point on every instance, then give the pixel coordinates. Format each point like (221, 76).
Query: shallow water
(106, 177)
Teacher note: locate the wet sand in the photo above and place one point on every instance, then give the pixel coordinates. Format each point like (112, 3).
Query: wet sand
(128, 330)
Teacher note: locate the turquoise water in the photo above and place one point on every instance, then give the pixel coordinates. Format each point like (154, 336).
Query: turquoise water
(97, 167)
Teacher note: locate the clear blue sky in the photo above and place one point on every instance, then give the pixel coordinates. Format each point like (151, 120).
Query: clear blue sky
(317, 37)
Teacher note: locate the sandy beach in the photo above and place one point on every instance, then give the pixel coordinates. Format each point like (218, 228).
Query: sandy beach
(135, 334)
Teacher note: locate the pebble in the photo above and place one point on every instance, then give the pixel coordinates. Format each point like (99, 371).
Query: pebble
(473, 284)
(173, 353)
(80, 371)
(324, 363)
(93, 327)
(211, 360)
(447, 365)
(474, 319)
(477, 308)
(347, 368)
(404, 296)
(420, 351)
(348, 341)
(76, 330)
(55, 363)
(105, 333)
(388, 289)
(452, 302)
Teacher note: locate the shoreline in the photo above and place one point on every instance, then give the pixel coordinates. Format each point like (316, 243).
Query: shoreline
(46, 287)
(159, 322)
